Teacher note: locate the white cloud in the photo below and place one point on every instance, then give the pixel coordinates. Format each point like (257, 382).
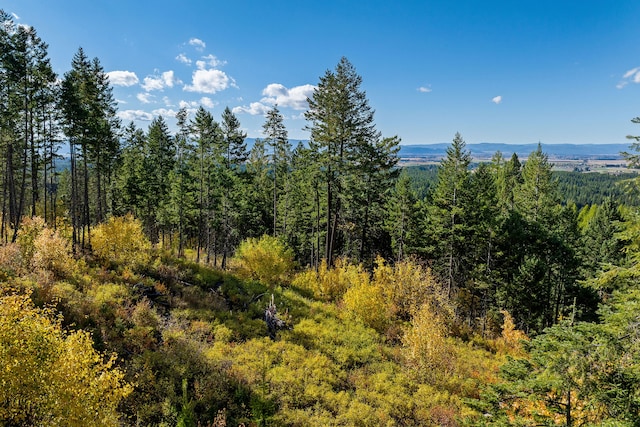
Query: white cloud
(424, 89)
(255, 109)
(15, 15)
(166, 79)
(145, 98)
(635, 72)
(295, 98)
(130, 115)
(497, 99)
(209, 81)
(183, 58)
(199, 44)
(188, 104)
(122, 78)
(209, 60)
(631, 76)
(121, 101)
(205, 101)
(167, 101)
(164, 112)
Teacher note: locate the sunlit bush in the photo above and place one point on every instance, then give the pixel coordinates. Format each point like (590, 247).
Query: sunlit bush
(266, 259)
(367, 302)
(510, 342)
(52, 252)
(50, 377)
(121, 240)
(408, 286)
(426, 348)
(44, 249)
(108, 295)
(29, 230)
(330, 283)
(11, 263)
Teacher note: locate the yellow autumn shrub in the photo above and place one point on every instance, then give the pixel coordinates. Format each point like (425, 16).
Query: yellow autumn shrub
(121, 240)
(266, 259)
(330, 283)
(51, 377)
(44, 249)
(510, 342)
(367, 302)
(10, 260)
(29, 230)
(408, 286)
(427, 351)
(53, 253)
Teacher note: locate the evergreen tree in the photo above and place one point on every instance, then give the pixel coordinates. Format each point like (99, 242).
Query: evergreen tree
(129, 184)
(400, 221)
(259, 211)
(90, 123)
(601, 244)
(484, 218)
(537, 196)
(508, 179)
(234, 149)
(104, 148)
(205, 131)
(26, 101)
(182, 199)
(158, 162)
(448, 220)
(277, 139)
(341, 126)
(75, 106)
(307, 209)
(373, 177)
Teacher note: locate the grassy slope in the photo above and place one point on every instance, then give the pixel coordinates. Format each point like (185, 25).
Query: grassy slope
(193, 342)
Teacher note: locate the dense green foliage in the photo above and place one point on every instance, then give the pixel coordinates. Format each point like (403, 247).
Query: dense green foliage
(580, 188)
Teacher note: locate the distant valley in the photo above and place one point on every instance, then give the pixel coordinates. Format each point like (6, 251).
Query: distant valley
(486, 150)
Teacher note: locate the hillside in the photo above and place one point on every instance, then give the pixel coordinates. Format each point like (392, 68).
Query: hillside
(194, 348)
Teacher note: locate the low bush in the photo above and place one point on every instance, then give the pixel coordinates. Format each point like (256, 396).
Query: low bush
(266, 259)
(121, 240)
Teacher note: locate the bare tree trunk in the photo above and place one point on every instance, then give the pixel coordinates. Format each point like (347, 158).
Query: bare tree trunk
(87, 217)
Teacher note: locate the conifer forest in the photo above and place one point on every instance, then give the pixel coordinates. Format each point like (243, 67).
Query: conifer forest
(159, 277)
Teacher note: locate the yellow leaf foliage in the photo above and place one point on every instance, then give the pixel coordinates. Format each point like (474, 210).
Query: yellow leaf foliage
(50, 377)
(29, 230)
(367, 302)
(331, 283)
(426, 348)
(510, 342)
(44, 249)
(391, 292)
(10, 260)
(53, 253)
(121, 240)
(266, 259)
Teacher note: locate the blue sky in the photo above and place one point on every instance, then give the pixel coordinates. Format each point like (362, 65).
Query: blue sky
(512, 71)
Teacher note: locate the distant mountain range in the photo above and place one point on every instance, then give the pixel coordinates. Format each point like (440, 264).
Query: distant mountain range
(485, 150)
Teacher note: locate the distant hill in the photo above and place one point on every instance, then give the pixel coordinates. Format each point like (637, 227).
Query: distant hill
(483, 150)
(486, 150)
